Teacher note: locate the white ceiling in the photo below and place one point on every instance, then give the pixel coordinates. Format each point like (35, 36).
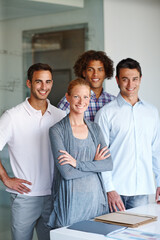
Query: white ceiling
(11, 9)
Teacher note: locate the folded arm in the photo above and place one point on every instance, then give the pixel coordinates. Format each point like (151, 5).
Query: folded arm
(57, 143)
(102, 161)
(98, 165)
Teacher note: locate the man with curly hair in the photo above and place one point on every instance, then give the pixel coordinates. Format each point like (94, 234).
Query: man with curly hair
(94, 67)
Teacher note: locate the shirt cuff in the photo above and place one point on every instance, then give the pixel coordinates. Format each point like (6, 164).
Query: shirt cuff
(107, 179)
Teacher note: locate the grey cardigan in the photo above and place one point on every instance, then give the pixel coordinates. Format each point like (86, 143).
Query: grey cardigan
(61, 138)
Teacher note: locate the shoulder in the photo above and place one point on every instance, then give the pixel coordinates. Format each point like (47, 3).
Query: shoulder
(95, 131)
(108, 95)
(108, 106)
(56, 111)
(11, 117)
(17, 110)
(106, 112)
(149, 107)
(63, 104)
(59, 126)
(93, 126)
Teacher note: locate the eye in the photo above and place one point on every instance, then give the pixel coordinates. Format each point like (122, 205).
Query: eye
(90, 69)
(124, 79)
(86, 97)
(135, 79)
(75, 96)
(38, 81)
(48, 81)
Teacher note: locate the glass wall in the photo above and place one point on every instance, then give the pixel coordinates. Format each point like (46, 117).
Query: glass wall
(43, 31)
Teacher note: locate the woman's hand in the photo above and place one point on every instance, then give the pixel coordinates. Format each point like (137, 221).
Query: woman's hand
(101, 154)
(66, 158)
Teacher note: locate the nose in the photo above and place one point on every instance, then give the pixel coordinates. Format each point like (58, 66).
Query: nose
(80, 100)
(95, 72)
(130, 83)
(43, 86)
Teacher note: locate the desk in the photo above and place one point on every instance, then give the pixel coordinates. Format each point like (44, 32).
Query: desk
(153, 227)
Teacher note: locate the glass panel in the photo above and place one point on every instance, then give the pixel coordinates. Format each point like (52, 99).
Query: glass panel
(33, 31)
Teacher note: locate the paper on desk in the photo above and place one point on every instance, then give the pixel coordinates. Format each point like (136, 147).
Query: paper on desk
(130, 234)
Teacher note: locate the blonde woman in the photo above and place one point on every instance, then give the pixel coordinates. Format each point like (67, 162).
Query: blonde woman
(80, 155)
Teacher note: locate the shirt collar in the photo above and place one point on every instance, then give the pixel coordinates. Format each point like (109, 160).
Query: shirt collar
(32, 110)
(121, 101)
(93, 95)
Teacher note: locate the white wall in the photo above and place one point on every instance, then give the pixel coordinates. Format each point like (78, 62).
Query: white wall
(132, 29)
(11, 71)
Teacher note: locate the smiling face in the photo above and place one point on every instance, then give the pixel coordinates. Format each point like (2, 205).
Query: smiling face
(40, 85)
(95, 74)
(129, 82)
(79, 99)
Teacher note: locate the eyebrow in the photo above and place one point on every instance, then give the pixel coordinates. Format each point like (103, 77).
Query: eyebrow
(128, 78)
(42, 79)
(93, 67)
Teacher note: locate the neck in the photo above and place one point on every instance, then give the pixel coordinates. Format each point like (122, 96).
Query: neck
(38, 105)
(131, 100)
(97, 91)
(76, 119)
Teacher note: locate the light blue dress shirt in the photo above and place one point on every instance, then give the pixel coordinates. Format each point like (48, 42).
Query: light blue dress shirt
(133, 136)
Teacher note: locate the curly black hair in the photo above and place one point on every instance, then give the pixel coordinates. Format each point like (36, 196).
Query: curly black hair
(84, 59)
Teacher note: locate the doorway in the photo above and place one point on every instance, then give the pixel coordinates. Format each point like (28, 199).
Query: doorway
(60, 49)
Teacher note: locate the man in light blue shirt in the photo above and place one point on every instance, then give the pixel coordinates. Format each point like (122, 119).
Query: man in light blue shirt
(132, 131)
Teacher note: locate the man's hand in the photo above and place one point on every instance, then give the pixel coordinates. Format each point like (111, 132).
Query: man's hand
(115, 201)
(17, 184)
(158, 195)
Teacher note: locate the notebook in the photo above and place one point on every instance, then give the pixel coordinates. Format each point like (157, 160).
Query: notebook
(126, 219)
(96, 227)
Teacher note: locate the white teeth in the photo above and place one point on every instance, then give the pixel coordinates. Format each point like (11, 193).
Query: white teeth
(43, 92)
(80, 106)
(95, 79)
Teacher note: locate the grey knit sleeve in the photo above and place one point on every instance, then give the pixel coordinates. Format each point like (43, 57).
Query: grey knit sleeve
(99, 165)
(57, 143)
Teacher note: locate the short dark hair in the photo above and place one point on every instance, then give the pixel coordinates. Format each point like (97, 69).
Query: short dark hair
(128, 63)
(84, 59)
(37, 67)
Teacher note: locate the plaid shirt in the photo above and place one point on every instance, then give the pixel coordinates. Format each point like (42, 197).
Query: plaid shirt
(94, 105)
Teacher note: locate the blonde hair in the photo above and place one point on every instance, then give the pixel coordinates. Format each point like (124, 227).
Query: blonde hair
(75, 82)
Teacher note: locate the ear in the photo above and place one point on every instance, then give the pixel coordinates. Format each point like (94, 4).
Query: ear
(67, 97)
(117, 80)
(140, 79)
(28, 83)
(84, 74)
